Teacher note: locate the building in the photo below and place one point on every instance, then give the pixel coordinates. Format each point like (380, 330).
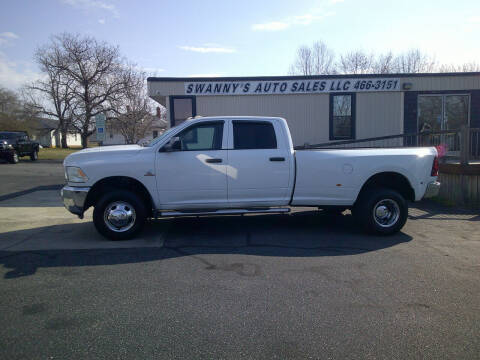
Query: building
(45, 132)
(321, 109)
(113, 136)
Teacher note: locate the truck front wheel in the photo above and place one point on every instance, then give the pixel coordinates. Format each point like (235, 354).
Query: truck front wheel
(34, 155)
(13, 158)
(381, 211)
(119, 215)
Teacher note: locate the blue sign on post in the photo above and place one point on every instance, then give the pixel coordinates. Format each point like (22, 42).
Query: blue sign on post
(100, 125)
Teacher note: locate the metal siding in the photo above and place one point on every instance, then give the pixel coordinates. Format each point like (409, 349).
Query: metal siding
(166, 88)
(427, 83)
(379, 114)
(306, 115)
(419, 83)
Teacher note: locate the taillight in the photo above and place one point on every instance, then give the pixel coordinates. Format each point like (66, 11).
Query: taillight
(435, 167)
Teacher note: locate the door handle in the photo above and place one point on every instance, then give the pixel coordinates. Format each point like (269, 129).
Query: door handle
(277, 159)
(213, 160)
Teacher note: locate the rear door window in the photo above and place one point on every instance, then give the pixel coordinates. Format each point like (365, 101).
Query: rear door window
(253, 135)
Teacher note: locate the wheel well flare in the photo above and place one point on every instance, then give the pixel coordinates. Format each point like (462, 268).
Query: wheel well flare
(390, 180)
(118, 182)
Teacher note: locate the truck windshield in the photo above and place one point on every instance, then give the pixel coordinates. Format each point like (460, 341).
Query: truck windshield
(161, 137)
(4, 135)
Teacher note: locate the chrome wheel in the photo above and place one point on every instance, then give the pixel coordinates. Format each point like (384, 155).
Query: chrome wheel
(386, 213)
(119, 216)
(35, 155)
(15, 158)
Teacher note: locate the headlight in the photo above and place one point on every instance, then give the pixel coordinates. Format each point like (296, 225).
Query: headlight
(75, 174)
(9, 146)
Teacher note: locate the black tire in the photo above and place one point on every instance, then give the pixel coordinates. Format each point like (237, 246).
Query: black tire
(381, 211)
(13, 158)
(34, 155)
(108, 200)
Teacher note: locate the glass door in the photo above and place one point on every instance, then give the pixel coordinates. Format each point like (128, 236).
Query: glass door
(430, 113)
(181, 108)
(456, 111)
(442, 112)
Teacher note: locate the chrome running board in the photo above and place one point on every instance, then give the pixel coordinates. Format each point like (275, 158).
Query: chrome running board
(223, 212)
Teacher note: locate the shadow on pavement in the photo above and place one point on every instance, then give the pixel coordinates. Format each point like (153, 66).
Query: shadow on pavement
(430, 210)
(33, 201)
(300, 234)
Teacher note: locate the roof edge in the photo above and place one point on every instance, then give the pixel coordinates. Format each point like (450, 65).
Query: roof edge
(306, 77)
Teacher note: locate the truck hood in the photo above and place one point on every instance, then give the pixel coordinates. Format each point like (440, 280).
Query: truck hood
(103, 149)
(102, 152)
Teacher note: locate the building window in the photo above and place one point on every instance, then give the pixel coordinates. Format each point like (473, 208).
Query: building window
(182, 108)
(342, 116)
(253, 135)
(443, 112)
(155, 133)
(111, 135)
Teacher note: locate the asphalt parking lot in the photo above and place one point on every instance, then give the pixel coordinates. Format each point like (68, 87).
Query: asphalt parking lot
(304, 285)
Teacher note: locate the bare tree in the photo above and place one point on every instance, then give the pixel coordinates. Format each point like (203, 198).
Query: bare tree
(9, 102)
(384, 64)
(92, 71)
(466, 67)
(53, 95)
(13, 114)
(317, 60)
(470, 67)
(303, 64)
(356, 62)
(414, 61)
(132, 112)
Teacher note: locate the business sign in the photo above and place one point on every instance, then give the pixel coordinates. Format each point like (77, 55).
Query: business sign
(100, 125)
(272, 87)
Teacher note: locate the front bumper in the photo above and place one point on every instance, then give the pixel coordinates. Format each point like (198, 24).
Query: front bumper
(6, 153)
(74, 199)
(432, 189)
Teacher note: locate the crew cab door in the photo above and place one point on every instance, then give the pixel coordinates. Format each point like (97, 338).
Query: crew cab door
(260, 165)
(23, 144)
(193, 175)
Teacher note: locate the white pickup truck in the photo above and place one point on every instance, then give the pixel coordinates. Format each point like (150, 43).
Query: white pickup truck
(238, 165)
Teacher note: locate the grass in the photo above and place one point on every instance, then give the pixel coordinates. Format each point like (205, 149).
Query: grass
(55, 153)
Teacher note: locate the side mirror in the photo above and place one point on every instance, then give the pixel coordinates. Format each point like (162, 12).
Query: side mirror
(172, 145)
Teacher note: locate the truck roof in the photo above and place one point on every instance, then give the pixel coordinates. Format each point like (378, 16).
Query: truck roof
(217, 117)
(13, 132)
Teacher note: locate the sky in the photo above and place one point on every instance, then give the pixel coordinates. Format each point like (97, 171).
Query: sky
(236, 38)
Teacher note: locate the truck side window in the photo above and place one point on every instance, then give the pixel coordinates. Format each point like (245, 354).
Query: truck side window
(205, 136)
(253, 135)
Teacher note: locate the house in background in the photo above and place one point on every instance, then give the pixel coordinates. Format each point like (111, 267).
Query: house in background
(42, 131)
(115, 137)
(45, 132)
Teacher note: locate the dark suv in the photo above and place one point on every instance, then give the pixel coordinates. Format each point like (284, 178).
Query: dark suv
(14, 144)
